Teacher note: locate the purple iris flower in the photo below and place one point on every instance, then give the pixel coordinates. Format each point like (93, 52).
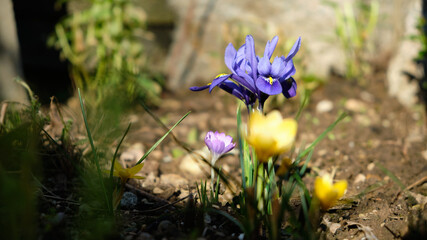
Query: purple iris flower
(255, 78)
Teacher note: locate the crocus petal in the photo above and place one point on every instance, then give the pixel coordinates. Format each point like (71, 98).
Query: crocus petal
(229, 56)
(135, 169)
(250, 55)
(270, 46)
(294, 49)
(264, 66)
(276, 67)
(289, 88)
(218, 81)
(271, 89)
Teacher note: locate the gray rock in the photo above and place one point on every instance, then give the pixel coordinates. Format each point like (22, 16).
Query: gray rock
(167, 228)
(129, 200)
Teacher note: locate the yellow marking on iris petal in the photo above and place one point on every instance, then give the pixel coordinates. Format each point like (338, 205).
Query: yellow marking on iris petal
(270, 79)
(209, 84)
(220, 75)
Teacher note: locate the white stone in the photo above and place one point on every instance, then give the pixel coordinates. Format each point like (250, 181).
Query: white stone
(360, 178)
(324, 106)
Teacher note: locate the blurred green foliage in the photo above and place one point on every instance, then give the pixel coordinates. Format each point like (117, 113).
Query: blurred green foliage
(355, 24)
(19, 165)
(104, 44)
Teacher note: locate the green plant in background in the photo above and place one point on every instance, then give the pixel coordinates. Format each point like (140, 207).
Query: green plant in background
(104, 44)
(355, 24)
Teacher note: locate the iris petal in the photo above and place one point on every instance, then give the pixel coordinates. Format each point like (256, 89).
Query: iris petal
(270, 89)
(217, 81)
(229, 56)
(289, 88)
(276, 67)
(195, 88)
(270, 46)
(264, 66)
(250, 55)
(294, 49)
(288, 70)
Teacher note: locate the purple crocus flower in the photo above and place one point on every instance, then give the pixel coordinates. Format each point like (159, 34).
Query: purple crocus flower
(255, 78)
(218, 144)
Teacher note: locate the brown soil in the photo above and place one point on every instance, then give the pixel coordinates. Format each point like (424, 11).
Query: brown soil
(379, 140)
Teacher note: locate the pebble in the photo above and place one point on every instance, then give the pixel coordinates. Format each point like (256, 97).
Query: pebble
(367, 97)
(157, 190)
(355, 105)
(167, 228)
(324, 106)
(129, 200)
(132, 154)
(150, 166)
(371, 166)
(360, 178)
(144, 236)
(334, 227)
(173, 179)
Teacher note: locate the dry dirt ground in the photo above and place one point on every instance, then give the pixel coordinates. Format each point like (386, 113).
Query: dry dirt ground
(380, 149)
(378, 142)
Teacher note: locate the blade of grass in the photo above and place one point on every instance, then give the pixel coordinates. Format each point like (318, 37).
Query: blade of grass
(117, 150)
(303, 104)
(98, 168)
(229, 217)
(323, 134)
(391, 175)
(162, 138)
(307, 160)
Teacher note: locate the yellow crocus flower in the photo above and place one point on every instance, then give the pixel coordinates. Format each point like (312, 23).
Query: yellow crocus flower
(327, 192)
(271, 134)
(125, 173)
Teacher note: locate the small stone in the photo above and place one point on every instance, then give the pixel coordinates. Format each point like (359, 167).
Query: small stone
(324, 106)
(150, 166)
(386, 123)
(424, 154)
(157, 190)
(132, 154)
(167, 228)
(322, 152)
(367, 97)
(334, 227)
(371, 166)
(355, 105)
(144, 236)
(167, 159)
(129, 200)
(351, 144)
(360, 178)
(173, 179)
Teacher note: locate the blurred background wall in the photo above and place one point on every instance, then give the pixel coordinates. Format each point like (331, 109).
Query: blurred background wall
(10, 60)
(189, 38)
